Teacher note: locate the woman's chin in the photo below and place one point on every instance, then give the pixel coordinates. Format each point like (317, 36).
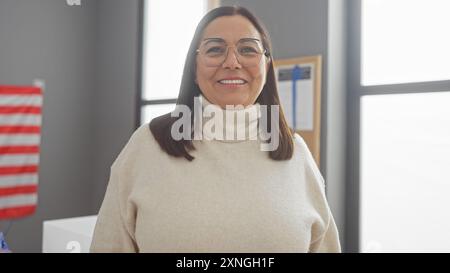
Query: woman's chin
(233, 98)
(234, 102)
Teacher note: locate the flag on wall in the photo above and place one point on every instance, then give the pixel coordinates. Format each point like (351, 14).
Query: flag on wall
(20, 133)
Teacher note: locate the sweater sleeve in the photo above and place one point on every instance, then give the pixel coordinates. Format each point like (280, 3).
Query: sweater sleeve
(113, 232)
(116, 222)
(324, 233)
(328, 242)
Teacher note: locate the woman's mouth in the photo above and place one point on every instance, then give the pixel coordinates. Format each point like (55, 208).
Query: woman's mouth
(232, 83)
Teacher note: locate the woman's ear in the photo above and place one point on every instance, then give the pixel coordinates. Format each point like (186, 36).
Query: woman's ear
(269, 61)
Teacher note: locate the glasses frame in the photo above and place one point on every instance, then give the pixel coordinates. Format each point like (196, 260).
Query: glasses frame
(264, 52)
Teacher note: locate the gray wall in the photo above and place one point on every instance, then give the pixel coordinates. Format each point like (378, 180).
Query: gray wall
(117, 54)
(87, 56)
(48, 39)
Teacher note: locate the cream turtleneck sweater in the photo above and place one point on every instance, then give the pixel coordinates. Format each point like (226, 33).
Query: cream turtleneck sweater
(243, 119)
(231, 198)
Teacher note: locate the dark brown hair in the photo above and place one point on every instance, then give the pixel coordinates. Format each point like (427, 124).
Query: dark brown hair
(161, 126)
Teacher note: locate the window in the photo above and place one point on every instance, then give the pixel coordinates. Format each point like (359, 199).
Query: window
(150, 112)
(168, 28)
(405, 175)
(405, 41)
(399, 126)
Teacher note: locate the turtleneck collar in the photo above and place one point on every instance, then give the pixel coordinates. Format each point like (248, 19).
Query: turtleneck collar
(233, 124)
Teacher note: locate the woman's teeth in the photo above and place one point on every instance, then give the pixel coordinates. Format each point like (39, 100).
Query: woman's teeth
(232, 81)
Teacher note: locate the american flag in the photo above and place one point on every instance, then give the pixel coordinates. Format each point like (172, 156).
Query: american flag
(20, 133)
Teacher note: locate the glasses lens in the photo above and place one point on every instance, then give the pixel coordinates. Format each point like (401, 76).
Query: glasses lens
(213, 53)
(249, 53)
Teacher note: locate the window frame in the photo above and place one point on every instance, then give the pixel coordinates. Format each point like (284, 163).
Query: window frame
(140, 101)
(355, 92)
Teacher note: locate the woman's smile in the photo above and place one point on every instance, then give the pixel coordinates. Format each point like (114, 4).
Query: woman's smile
(232, 82)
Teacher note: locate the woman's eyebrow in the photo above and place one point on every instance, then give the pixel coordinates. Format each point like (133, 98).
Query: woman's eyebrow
(249, 39)
(217, 39)
(213, 40)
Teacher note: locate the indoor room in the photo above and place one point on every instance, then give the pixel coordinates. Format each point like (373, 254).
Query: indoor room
(224, 126)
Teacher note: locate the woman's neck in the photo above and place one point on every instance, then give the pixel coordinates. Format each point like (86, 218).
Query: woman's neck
(233, 124)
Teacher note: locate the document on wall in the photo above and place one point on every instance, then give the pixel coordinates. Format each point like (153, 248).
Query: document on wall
(296, 90)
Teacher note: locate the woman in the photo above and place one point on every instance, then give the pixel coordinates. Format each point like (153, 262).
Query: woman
(213, 193)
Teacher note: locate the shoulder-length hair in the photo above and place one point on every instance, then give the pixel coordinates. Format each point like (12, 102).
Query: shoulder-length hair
(161, 126)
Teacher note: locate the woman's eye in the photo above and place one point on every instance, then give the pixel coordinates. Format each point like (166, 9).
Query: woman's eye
(248, 50)
(216, 49)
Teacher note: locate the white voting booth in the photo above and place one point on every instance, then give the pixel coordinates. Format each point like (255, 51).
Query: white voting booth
(71, 235)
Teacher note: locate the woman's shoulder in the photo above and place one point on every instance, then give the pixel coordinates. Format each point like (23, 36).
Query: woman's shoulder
(140, 144)
(301, 148)
(314, 180)
(142, 135)
(298, 140)
(302, 151)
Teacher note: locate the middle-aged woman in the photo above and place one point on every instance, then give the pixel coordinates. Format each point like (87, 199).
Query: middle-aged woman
(214, 193)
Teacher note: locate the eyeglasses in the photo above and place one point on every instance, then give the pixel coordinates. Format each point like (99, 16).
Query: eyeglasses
(214, 51)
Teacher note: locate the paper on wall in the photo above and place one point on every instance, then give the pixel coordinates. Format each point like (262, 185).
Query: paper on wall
(304, 96)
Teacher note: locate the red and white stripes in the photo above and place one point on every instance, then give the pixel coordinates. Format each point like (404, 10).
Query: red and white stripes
(20, 132)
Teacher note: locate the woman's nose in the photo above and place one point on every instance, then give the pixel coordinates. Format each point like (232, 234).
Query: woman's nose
(231, 61)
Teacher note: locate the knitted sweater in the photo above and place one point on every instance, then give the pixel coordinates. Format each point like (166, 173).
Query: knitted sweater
(231, 198)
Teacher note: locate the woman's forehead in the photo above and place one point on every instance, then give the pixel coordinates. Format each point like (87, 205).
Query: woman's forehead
(231, 29)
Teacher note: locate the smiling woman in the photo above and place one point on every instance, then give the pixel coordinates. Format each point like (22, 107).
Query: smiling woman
(203, 76)
(212, 195)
